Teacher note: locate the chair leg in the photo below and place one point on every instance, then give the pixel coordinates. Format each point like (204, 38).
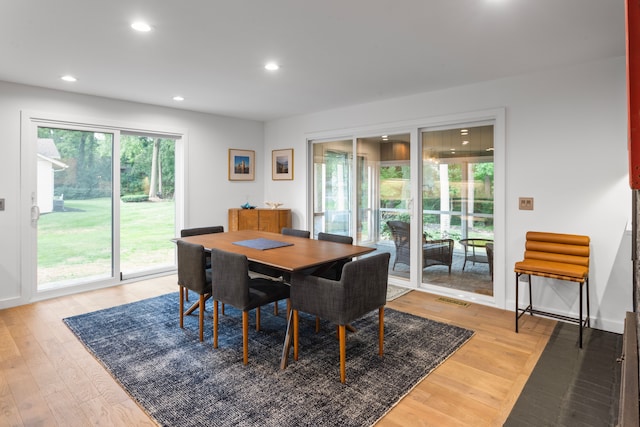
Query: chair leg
(215, 324)
(317, 324)
(186, 295)
(288, 307)
(201, 317)
(257, 318)
(381, 331)
(275, 308)
(245, 337)
(181, 306)
(223, 309)
(296, 325)
(343, 352)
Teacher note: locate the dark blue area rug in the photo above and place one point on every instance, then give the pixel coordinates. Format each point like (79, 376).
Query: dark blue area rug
(180, 381)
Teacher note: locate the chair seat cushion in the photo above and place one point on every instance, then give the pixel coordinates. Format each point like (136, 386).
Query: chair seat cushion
(552, 269)
(263, 291)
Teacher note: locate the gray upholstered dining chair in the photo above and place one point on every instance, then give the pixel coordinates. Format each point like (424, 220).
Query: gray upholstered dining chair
(193, 275)
(361, 289)
(232, 285)
(295, 232)
(335, 270)
(265, 270)
(196, 231)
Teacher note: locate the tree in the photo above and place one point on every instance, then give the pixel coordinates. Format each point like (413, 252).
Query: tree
(155, 181)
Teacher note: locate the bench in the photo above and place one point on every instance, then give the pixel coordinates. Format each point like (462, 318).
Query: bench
(556, 256)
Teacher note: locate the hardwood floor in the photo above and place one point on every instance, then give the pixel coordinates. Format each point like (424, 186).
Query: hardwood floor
(48, 378)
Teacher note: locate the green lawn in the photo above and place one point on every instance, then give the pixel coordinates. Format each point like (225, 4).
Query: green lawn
(77, 242)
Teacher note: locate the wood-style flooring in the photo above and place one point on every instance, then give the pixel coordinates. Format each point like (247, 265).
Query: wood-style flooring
(47, 378)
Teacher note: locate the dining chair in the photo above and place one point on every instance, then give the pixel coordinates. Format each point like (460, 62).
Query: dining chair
(264, 270)
(361, 289)
(196, 231)
(193, 275)
(334, 270)
(295, 232)
(232, 285)
(185, 232)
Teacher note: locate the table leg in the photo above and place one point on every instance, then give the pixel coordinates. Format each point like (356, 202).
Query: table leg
(287, 342)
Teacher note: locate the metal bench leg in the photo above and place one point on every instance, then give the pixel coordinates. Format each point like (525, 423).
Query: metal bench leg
(580, 284)
(517, 275)
(588, 311)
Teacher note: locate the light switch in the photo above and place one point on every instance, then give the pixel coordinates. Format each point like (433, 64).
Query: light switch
(525, 203)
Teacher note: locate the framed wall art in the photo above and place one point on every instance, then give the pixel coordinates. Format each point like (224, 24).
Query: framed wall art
(282, 164)
(242, 165)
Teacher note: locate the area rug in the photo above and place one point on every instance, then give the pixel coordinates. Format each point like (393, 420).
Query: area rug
(180, 381)
(394, 292)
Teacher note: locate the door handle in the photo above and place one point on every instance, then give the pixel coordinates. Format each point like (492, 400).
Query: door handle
(35, 210)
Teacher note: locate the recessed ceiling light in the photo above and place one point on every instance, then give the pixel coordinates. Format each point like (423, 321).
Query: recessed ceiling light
(271, 66)
(465, 142)
(143, 27)
(178, 98)
(69, 78)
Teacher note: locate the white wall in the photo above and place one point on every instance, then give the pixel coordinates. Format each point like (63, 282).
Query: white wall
(209, 193)
(565, 146)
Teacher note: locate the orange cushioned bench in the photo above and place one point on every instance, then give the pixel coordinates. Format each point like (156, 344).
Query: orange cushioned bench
(556, 256)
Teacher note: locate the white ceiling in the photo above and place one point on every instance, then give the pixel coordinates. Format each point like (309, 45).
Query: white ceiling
(332, 53)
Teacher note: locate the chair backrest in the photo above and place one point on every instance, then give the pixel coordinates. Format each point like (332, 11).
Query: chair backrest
(401, 234)
(348, 240)
(556, 255)
(191, 266)
(295, 232)
(201, 230)
(557, 247)
(230, 278)
(364, 286)
(335, 272)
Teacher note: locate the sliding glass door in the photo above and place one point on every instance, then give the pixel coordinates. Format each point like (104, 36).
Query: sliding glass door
(428, 195)
(458, 207)
(384, 198)
(147, 204)
(332, 187)
(103, 205)
(74, 197)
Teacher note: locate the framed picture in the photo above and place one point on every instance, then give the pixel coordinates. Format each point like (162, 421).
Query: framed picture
(282, 164)
(242, 165)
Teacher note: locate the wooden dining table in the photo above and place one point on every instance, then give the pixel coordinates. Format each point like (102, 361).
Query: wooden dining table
(297, 254)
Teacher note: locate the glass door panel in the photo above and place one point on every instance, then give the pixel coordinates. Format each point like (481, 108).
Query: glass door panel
(332, 186)
(384, 182)
(74, 197)
(147, 208)
(457, 207)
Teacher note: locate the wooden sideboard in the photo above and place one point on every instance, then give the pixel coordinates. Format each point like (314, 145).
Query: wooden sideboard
(272, 220)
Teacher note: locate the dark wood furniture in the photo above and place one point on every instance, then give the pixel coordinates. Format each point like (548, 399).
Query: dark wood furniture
(271, 220)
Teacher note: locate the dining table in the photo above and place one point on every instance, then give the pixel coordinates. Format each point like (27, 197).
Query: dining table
(283, 252)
